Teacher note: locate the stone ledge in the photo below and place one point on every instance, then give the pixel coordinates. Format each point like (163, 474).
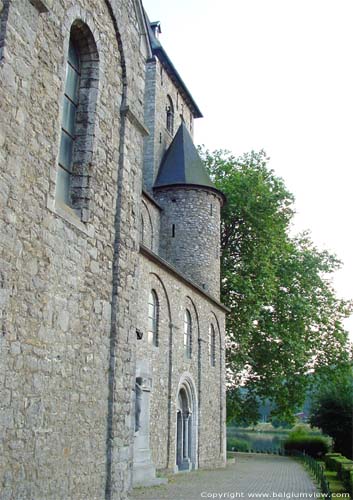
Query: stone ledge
(69, 216)
(42, 6)
(151, 199)
(127, 111)
(168, 267)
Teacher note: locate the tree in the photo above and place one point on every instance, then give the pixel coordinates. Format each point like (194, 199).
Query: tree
(285, 318)
(332, 411)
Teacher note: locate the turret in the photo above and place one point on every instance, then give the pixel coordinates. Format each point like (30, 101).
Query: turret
(190, 220)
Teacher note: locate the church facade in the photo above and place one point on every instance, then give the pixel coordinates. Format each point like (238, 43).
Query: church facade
(111, 328)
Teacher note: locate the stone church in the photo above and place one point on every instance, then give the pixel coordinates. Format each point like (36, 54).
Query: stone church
(111, 327)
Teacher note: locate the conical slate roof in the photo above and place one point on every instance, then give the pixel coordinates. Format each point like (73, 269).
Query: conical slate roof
(182, 164)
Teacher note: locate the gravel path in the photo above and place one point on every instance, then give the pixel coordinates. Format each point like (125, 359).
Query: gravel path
(251, 476)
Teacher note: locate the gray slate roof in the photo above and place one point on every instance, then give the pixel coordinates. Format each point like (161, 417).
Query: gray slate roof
(182, 164)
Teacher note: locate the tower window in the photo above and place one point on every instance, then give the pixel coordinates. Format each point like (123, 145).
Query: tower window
(153, 318)
(187, 335)
(170, 115)
(173, 230)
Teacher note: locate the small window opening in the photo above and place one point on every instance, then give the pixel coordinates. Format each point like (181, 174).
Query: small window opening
(211, 209)
(170, 115)
(160, 137)
(153, 319)
(173, 230)
(212, 345)
(187, 335)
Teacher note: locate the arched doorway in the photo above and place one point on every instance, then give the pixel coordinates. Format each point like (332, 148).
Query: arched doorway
(186, 429)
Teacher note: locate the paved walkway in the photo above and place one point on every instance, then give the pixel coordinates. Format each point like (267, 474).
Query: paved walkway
(251, 476)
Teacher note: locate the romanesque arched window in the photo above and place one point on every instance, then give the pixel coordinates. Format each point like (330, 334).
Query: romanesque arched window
(212, 345)
(187, 334)
(77, 124)
(153, 318)
(170, 115)
(142, 230)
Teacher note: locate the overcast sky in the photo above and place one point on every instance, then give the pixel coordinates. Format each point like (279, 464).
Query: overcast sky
(276, 75)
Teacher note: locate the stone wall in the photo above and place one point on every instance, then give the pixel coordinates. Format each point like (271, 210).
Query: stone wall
(158, 87)
(73, 288)
(169, 363)
(67, 287)
(150, 218)
(190, 234)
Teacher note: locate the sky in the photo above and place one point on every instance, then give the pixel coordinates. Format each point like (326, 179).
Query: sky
(276, 75)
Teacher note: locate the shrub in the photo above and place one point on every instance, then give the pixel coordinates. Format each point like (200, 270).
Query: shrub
(332, 410)
(234, 444)
(335, 463)
(345, 472)
(329, 460)
(350, 485)
(315, 446)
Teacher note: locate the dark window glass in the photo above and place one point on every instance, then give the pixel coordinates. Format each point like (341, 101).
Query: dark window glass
(70, 103)
(187, 334)
(170, 116)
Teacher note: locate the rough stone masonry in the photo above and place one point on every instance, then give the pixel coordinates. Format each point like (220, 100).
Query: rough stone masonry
(77, 276)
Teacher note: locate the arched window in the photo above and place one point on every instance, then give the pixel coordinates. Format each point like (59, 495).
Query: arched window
(170, 115)
(153, 317)
(187, 334)
(142, 230)
(212, 345)
(77, 125)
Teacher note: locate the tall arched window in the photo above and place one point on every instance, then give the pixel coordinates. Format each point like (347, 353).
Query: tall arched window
(68, 124)
(153, 317)
(142, 230)
(187, 334)
(170, 115)
(78, 119)
(212, 345)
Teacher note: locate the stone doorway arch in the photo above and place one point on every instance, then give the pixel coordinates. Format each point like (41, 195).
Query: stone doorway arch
(186, 426)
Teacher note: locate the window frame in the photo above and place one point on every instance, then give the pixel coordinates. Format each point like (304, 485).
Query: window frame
(187, 334)
(153, 319)
(212, 345)
(72, 197)
(170, 115)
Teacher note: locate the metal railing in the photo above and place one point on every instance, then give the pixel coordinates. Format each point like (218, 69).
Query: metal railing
(316, 469)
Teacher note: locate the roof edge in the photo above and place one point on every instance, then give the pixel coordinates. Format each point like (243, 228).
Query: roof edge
(193, 186)
(168, 267)
(161, 53)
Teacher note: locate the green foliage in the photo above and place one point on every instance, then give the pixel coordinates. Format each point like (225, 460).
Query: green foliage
(344, 471)
(235, 444)
(332, 411)
(335, 463)
(329, 460)
(285, 319)
(243, 405)
(350, 484)
(315, 446)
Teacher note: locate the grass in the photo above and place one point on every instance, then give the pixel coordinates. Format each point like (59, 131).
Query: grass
(336, 486)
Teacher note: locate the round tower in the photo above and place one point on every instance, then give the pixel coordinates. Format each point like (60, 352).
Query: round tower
(190, 220)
